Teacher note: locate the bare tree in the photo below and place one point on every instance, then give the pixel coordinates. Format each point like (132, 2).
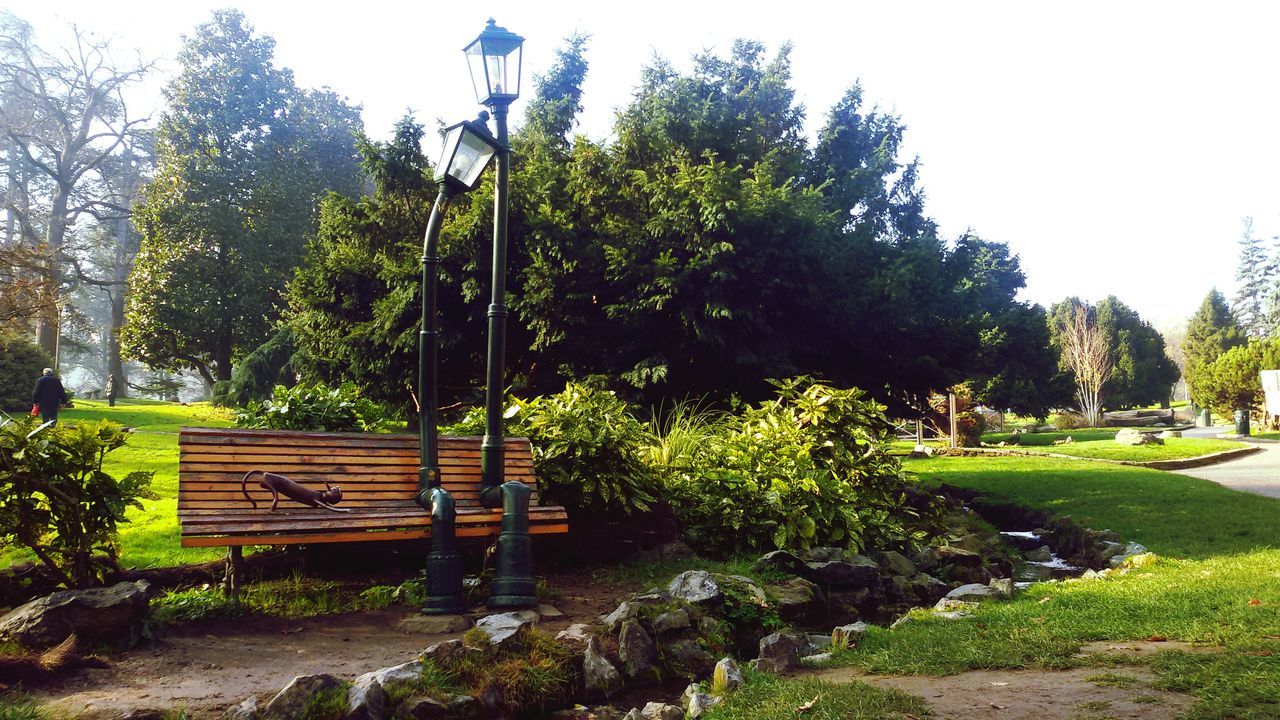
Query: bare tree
(63, 115)
(1086, 354)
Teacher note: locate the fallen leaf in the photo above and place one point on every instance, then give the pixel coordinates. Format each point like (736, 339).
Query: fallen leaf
(1044, 600)
(1157, 638)
(1255, 601)
(1260, 653)
(998, 707)
(999, 684)
(807, 706)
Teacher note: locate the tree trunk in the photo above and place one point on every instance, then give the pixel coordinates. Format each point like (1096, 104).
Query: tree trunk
(47, 327)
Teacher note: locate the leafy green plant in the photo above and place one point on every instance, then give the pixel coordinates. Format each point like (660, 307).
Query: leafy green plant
(17, 706)
(20, 365)
(588, 449)
(58, 502)
(315, 407)
(809, 468)
(194, 604)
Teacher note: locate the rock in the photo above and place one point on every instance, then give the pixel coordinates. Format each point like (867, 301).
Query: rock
(421, 707)
(742, 584)
(630, 608)
(96, 615)
(600, 678)
(633, 714)
(246, 710)
(815, 658)
(143, 714)
(779, 561)
(895, 563)
(928, 588)
(695, 586)
(949, 604)
(958, 556)
(1132, 549)
(637, 652)
(676, 550)
(661, 711)
(971, 542)
(502, 627)
(899, 589)
(698, 703)
(825, 553)
(671, 621)
(926, 560)
(952, 614)
(973, 592)
(290, 702)
(1132, 436)
(1110, 550)
(796, 598)
(419, 624)
(726, 677)
(548, 612)
(779, 652)
(444, 652)
(576, 635)
(688, 656)
(367, 697)
(848, 636)
(864, 573)
(1040, 554)
(1003, 587)
(817, 642)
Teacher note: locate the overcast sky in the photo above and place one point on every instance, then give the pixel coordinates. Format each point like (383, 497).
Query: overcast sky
(1115, 146)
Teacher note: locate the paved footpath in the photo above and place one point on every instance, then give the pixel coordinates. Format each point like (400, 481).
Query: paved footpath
(1257, 473)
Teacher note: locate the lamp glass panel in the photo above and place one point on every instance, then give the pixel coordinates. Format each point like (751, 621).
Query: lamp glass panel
(470, 160)
(446, 152)
(479, 72)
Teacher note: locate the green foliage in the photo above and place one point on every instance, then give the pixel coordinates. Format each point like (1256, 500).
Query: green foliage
(328, 704)
(17, 706)
(194, 605)
(256, 376)
(769, 697)
(315, 407)
(242, 157)
(969, 428)
(1211, 332)
(20, 364)
(1232, 382)
(58, 502)
(1142, 373)
(588, 449)
(809, 468)
(531, 672)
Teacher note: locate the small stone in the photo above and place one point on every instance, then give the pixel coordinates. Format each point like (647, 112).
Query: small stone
(671, 621)
(726, 677)
(1002, 587)
(546, 612)
(818, 642)
(698, 704)
(952, 615)
(290, 702)
(825, 553)
(661, 711)
(576, 635)
(848, 636)
(419, 624)
(779, 652)
(958, 556)
(743, 584)
(637, 652)
(925, 560)
(973, 592)
(600, 678)
(367, 697)
(630, 608)
(421, 707)
(1040, 554)
(246, 710)
(502, 627)
(895, 563)
(815, 659)
(695, 586)
(1171, 434)
(779, 561)
(688, 656)
(796, 598)
(143, 714)
(675, 550)
(443, 652)
(928, 588)
(948, 604)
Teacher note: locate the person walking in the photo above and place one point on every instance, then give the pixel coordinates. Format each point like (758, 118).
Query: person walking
(111, 390)
(48, 396)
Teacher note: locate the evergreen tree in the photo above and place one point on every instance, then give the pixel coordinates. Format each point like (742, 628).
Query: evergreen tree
(1255, 285)
(1210, 333)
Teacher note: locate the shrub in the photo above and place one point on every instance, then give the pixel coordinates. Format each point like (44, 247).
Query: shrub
(969, 428)
(587, 449)
(1067, 421)
(56, 500)
(315, 407)
(809, 468)
(20, 364)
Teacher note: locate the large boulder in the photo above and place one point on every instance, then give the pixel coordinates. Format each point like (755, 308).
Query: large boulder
(895, 563)
(96, 615)
(695, 586)
(290, 702)
(856, 572)
(600, 678)
(637, 652)
(796, 598)
(1133, 436)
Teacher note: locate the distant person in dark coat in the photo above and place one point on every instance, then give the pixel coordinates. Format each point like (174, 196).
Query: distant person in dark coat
(48, 396)
(111, 390)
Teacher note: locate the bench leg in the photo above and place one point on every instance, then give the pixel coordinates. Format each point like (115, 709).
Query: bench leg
(231, 582)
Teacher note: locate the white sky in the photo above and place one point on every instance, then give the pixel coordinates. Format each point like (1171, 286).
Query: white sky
(1115, 146)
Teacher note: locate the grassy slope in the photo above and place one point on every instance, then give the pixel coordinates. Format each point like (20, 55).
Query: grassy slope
(1100, 443)
(1218, 583)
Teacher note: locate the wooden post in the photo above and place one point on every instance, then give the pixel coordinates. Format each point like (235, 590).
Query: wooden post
(919, 436)
(231, 583)
(951, 402)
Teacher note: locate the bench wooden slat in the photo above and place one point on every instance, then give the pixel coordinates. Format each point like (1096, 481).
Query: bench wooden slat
(265, 523)
(359, 536)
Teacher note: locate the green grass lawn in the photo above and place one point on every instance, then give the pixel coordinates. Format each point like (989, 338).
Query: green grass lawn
(1099, 443)
(1217, 583)
(150, 538)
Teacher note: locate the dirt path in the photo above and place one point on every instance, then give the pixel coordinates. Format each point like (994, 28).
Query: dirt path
(1124, 692)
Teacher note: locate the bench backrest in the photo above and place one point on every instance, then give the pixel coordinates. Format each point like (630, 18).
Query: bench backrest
(374, 470)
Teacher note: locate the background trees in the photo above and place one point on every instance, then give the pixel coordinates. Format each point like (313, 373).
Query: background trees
(242, 157)
(1211, 332)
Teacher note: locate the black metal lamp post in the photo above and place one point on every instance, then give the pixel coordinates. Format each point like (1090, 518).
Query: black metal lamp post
(468, 148)
(494, 58)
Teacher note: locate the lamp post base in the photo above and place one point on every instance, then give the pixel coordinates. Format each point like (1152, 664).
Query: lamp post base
(513, 585)
(444, 581)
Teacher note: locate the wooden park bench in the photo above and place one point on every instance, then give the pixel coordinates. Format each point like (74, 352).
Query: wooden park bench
(378, 475)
